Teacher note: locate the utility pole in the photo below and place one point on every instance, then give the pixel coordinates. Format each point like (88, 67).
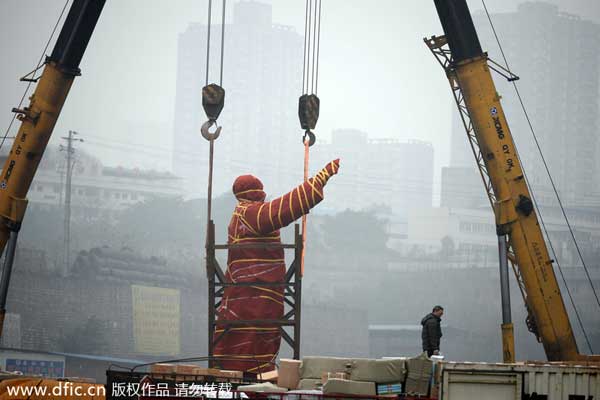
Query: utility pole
(70, 150)
(61, 172)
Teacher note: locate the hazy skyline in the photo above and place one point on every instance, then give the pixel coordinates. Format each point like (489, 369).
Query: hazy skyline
(376, 74)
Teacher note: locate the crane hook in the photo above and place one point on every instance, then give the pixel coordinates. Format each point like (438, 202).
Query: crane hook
(205, 130)
(311, 137)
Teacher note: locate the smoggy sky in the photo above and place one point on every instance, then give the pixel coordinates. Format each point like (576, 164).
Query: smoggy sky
(376, 73)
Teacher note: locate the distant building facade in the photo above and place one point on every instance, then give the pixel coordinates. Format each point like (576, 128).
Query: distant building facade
(468, 236)
(462, 187)
(387, 175)
(95, 186)
(262, 80)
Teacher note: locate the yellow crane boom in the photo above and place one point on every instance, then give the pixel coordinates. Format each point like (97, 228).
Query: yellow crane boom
(37, 123)
(469, 72)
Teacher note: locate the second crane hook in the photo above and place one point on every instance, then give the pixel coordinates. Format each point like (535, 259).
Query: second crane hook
(205, 130)
(310, 136)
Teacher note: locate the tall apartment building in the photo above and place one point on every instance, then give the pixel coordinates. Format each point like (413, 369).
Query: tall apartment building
(262, 80)
(376, 172)
(559, 67)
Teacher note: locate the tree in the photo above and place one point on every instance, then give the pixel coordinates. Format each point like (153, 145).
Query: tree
(161, 223)
(350, 239)
(448, 248)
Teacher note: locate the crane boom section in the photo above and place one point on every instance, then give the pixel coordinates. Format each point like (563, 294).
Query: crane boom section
(37, 123)
(39, 117)
(468, 70)
(514, 211)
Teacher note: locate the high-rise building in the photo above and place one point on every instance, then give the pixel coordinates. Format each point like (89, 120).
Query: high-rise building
(462, 187)
(384, 174)
(554, 55)
(262, 79)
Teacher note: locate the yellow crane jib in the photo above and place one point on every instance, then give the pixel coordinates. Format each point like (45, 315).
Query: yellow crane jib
(40, 116)
(37, 123)
(468, 69)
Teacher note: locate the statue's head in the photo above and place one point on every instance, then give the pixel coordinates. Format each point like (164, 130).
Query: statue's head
(248, 187)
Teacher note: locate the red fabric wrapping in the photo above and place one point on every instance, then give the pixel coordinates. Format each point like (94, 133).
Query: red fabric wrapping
(256, 221)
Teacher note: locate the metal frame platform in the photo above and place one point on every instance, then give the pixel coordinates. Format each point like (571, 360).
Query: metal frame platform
(292, 291)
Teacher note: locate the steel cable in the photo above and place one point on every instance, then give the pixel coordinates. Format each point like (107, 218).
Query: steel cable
(208, 40)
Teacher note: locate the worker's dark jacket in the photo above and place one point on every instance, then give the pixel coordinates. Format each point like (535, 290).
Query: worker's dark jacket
(432, 333)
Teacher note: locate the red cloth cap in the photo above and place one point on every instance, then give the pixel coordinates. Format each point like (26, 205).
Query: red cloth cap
(248, 187)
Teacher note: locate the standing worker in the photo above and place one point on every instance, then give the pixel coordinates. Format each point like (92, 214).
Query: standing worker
(255, 348)
(432, 331)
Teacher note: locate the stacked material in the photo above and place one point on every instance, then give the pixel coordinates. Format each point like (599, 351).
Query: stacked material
(310, 384)
(420, 370)
(379, 371)
(312, 369)
(341, 375)
(359, 369)
(357, 376)
(333, 375)
(289, 373)
(344, 386)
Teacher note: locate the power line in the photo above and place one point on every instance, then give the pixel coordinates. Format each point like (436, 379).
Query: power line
(126, 147)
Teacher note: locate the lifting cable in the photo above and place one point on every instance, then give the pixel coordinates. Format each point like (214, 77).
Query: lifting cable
(33, 79)
(213, 100)
(308, 103)
(555, 192)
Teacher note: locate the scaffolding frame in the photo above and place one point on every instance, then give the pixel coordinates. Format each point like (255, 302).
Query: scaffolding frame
(292, 285)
